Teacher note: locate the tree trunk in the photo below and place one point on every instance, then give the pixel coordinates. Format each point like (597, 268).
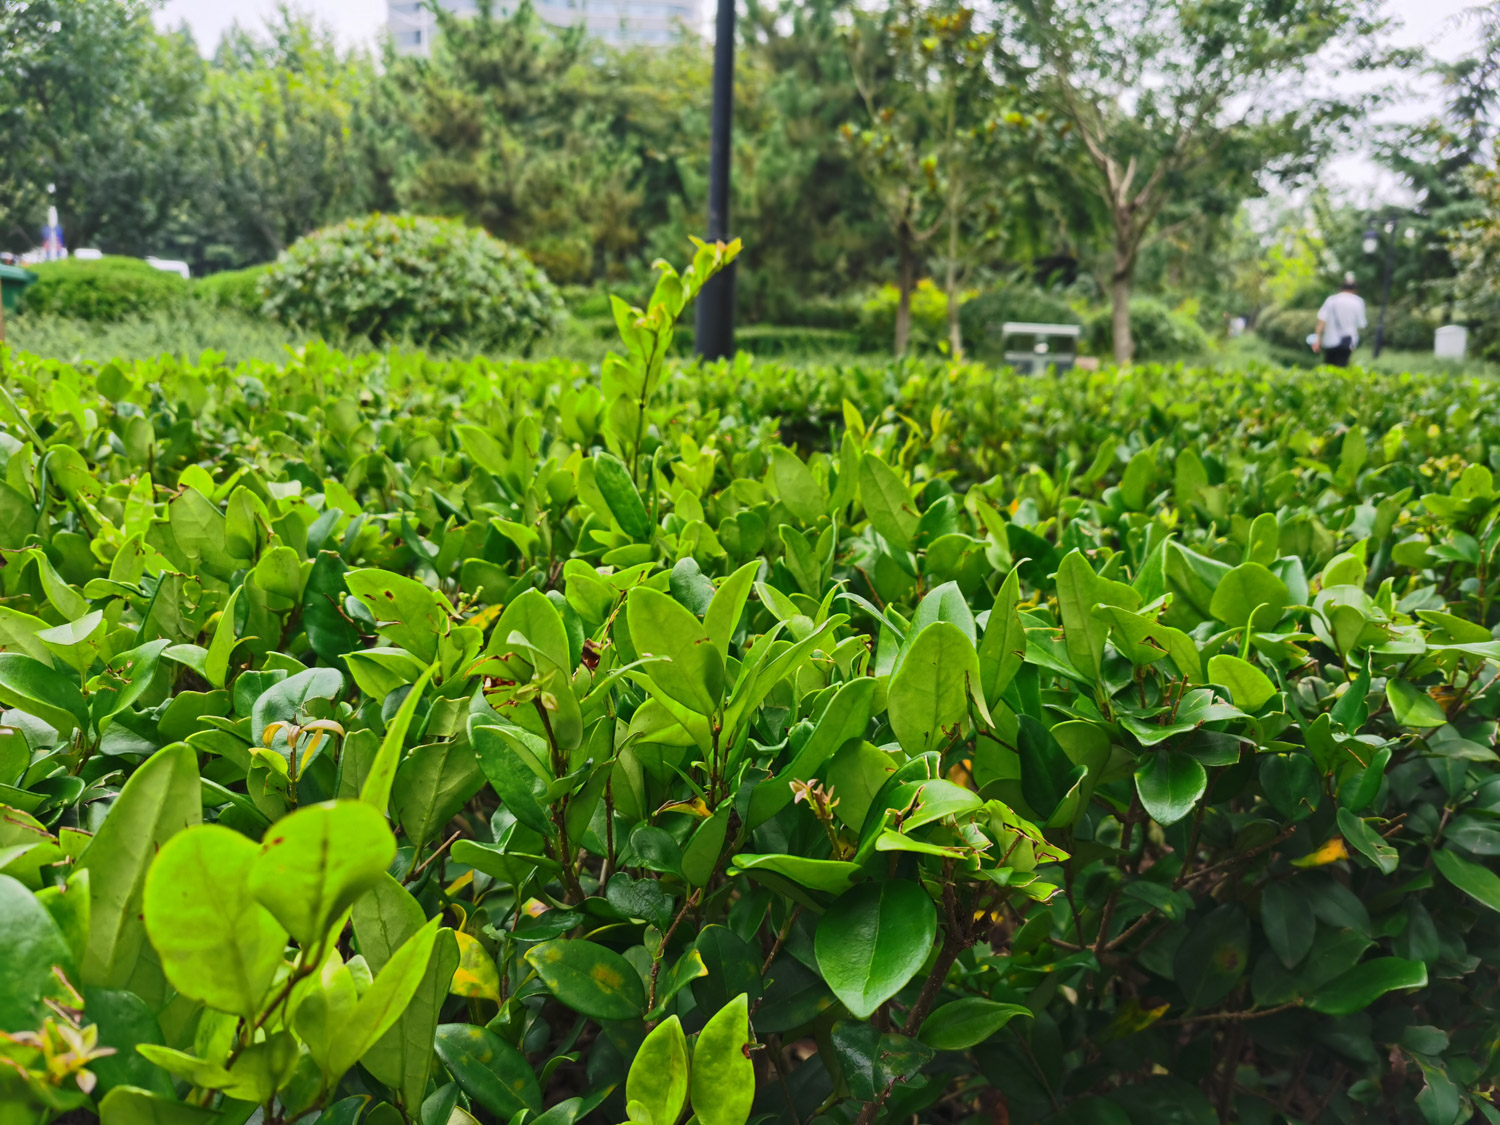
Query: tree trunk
(1121, 277)
(1119, 301)
(906, 281)
(955, 331)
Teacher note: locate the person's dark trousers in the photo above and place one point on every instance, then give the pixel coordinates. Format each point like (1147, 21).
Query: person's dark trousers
(1337, 356)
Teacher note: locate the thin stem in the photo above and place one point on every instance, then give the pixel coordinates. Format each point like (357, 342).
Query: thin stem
(1126, 837)
(426, 863)
(690, 902)
(780, 940)
(1229, 1017)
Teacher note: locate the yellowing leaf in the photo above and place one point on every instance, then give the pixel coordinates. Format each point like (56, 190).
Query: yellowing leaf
(476, 976)
(1331, 852)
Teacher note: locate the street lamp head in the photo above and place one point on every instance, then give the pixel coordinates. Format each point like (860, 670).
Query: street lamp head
(1371, 241)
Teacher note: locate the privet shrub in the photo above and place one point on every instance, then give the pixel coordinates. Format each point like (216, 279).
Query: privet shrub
(929, 317)
(240, 291)
(1406, 329)
(1158, 331)
(580, 753)
(1287, 328)
(105, 289)
(402, 277)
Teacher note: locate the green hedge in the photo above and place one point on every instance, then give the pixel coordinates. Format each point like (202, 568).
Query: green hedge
(241, 291)
(393, 738)
(402, 277)
(1287, 328)
(1158, 331)
(106, 289)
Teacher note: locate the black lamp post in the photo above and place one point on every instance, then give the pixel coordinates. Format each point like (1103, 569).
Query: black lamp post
(1371, 245)
(713, 333)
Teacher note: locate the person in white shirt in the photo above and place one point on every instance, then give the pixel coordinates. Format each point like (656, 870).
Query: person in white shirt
(1339, 322)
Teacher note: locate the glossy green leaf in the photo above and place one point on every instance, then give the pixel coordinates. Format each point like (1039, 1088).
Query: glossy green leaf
(406, 612)
(33, 946)
(887, 502)
(161, 798)
(592, 980)
(1248, 686)
(1413, 707)
(928, 698)
(1292, 784)
(689, 669)
(316, 862)
(723, 1077)
(1478, 882)
(129, 1105)
(1362, 985)
(658, 1077)
(402, 1058)
(873, 940)
(384, 1002)
(1213, 957)
(833, 876)
(965, 1023)
(217, 944)
(1367, 842)
(1287, 921)
(124, 1021)
(433, 783)
(620, 493)
(1170, 784)
(32, 686)
(1249, 595)
(489, 1069)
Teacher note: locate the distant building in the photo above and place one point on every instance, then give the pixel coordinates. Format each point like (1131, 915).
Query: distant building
(620, 22)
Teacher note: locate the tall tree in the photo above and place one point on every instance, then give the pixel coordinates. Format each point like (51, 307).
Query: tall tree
(276, 141)
(808, 217)
(1440, 158)
(937, 142)
(93, 102)
(1476, 252)
(542, 136)
(1175, 98)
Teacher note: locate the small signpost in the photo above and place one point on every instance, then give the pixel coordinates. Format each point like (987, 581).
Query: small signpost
(1032, 348)
(1451, 341)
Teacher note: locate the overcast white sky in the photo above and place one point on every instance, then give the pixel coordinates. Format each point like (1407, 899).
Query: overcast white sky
(1427, 23)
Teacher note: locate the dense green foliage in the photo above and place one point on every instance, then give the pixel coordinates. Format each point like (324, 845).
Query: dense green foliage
(402, 277)
(858, 745)
(925, 138)
(1158, 331)
(108, 289)
(1287, 328)
(1478, 253)
(236, 290)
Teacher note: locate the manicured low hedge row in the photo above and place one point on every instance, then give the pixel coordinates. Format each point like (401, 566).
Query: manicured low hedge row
(390, 739)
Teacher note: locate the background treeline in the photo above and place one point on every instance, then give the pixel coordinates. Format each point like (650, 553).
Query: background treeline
(992, 153)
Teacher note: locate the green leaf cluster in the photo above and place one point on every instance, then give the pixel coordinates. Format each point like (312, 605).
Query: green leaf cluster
(423, 742)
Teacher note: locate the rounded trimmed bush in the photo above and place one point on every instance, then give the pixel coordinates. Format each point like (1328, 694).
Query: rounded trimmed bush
(236, 290)
(105, 289)
(1287, 328)
(1405, 329)
(406, 277)
(1158, 332)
